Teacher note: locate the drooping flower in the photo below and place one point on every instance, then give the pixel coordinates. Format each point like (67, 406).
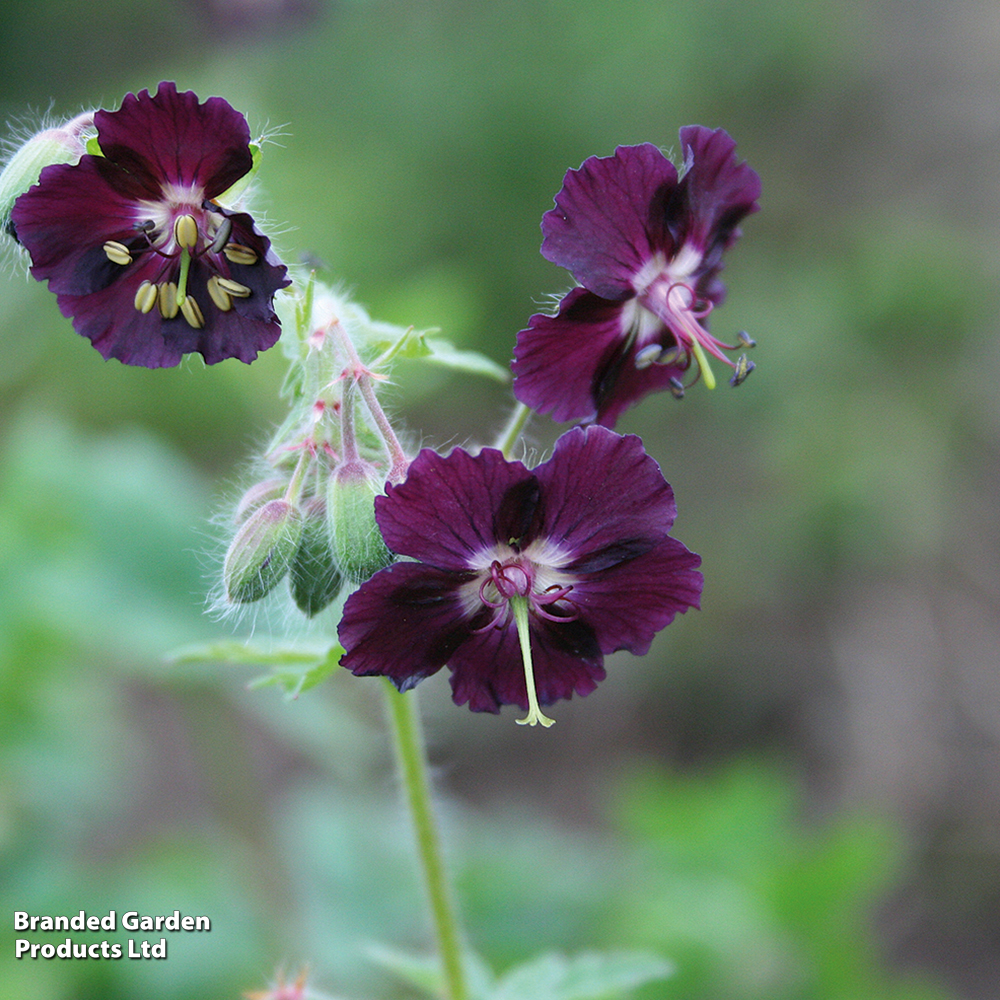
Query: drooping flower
(646, 246)
(578, 547)
(137, 247)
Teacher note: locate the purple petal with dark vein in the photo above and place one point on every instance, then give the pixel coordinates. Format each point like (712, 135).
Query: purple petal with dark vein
(609, 216)
(452, 507)
(487, 671)
(604, 498)
(405, 623)
(715, 193)
(171, 137)
(627, 604)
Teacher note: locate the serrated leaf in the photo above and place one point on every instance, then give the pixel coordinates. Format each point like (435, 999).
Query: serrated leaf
(587, 976)
(443, 352)
(424, 973)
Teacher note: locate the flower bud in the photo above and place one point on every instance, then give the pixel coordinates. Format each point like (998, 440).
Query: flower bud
(65, 144)
(314, 578)
(257, 496)
(262, 551)
(350, 516)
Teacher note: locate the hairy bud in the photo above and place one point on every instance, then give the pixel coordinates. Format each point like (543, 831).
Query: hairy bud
(65, 144)
(350, 515)
(262, 551)
(314, 578)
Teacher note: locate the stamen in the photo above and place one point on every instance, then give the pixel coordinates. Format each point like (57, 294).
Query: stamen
(222, 236)
(236, 253)
(186, 231)
(670, 355)
(218, 295)
(743, 368)
(234, 288)
(676, 388)
(166, 299)
(191, 311)
(745, 340)
(117, 253)
(145, 297)
(519, 605)
(647, 355)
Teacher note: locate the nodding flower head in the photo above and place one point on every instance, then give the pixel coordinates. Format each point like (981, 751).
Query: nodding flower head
(136, 244)
(645, 244)
(521, 580)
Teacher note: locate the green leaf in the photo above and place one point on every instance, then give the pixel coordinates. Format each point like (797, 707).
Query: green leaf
(233, 651)
(587, 976)
(424, 973)
(295, 668)
(443, 352)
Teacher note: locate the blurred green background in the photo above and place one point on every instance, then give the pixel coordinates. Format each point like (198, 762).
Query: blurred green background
(796, 794)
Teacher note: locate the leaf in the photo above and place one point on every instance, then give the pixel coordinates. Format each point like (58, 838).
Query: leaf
(424, 972)
(295, 668)
(587, 976)
(443, 352)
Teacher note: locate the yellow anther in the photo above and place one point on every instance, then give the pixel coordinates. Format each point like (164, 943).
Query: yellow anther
(166, 299)
(218, 295)
(186, 231)
(236, 253)
(117, 253)
(191, 311)
(234, 288)
(145, 297)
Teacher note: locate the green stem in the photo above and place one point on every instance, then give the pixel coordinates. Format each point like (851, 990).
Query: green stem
(515, 425)
(411, 757)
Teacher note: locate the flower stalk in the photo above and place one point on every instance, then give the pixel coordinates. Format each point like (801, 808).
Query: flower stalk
(411, 758)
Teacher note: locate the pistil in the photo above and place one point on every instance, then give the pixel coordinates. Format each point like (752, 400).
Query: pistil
(519, 606)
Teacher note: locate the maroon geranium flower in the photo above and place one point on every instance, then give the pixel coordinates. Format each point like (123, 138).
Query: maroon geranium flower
(135, 245)
(646, 246)
(577, 547)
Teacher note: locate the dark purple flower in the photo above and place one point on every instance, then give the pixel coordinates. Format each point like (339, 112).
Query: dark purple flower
(137, 249)
(646, 245)
(581, 542)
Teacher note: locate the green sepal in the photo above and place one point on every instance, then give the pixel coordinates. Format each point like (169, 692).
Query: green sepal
(94, 147)
(314, 578)
(262, 552)
(232, 194)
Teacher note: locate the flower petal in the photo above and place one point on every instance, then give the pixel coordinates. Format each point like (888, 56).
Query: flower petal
(580, 364)
(450, 508)
(170, 137)
(609, 216)
(405, 622)
(605, 500)
(716, 192)
(627, 604)
(487, 670)
(64, 220)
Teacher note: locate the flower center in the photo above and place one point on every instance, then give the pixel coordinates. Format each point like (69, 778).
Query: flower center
(178, 230)
(516, 586)
(668, 290)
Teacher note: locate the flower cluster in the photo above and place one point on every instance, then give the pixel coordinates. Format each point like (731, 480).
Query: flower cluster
(646, 247)
(520, 580)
